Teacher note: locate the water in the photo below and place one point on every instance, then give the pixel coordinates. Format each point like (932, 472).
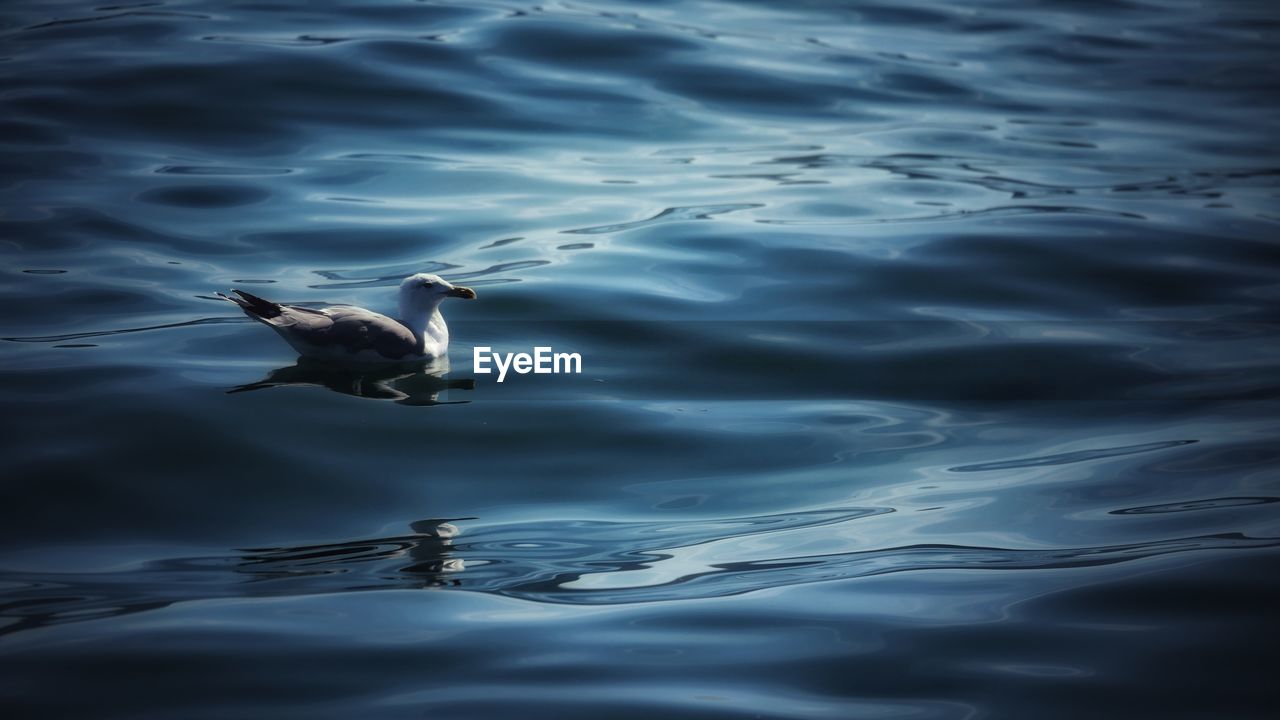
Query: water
(930, 360)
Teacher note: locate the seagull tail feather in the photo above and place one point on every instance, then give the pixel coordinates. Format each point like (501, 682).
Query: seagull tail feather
(253, 305)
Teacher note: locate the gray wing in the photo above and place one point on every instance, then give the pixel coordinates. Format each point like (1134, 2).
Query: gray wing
(340, 328)
(350, 329)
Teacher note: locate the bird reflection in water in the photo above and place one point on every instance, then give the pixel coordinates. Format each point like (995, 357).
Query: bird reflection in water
(420, 559)
(417, 383)
(423, 559)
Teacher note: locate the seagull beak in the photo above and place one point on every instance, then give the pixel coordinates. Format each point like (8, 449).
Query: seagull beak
(462, 292)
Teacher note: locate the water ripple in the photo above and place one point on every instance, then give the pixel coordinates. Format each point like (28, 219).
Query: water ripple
(674, 214)
(566, 562)
(124, 331)
(1006, 211)
(1195, 505)
(1071, 457)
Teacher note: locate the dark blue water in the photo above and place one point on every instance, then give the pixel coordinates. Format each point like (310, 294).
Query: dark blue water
(931, 360)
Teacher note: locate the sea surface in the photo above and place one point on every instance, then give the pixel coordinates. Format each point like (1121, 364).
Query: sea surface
(931, 360)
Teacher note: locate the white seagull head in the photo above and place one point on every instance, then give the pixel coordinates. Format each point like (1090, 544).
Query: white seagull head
(425, 291)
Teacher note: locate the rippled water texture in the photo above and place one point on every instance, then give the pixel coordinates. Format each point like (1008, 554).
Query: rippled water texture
(930, 360)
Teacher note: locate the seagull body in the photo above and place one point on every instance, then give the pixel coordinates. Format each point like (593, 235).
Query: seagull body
(353, 335)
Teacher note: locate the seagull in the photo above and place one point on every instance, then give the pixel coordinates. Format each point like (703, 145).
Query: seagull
(349, 334)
